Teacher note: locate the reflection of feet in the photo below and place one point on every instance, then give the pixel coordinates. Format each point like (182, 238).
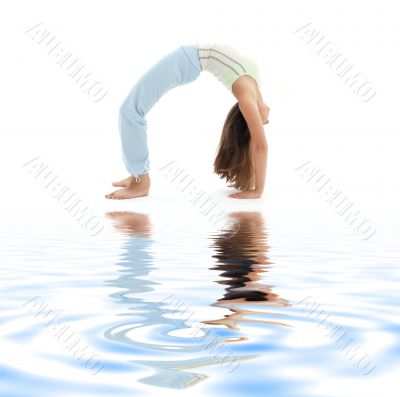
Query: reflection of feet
(122, 183)
(132, 189)
(131, 223)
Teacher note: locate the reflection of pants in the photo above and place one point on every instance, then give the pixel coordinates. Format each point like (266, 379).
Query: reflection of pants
(178, 67)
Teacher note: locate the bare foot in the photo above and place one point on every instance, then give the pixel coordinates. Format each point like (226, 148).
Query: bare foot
(122, 183)
(132, 189)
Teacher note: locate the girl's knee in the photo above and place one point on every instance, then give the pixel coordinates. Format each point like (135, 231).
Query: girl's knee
(129, 110)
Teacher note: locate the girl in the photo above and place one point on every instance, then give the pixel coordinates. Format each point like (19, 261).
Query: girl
(242, 152)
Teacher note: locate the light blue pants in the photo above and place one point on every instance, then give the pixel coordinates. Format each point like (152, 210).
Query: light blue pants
(178, 67)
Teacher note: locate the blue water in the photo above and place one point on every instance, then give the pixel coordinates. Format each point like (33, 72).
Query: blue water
(185, 309)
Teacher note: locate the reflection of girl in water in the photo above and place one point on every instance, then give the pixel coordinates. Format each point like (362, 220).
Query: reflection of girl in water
(241, 260)
(173, 360)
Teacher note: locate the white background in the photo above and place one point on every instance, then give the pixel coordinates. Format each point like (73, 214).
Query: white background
(314, 115)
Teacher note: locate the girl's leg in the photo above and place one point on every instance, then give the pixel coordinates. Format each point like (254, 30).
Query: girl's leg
(175, 68)
(179, 67)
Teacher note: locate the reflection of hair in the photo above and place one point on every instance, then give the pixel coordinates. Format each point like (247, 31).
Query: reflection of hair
(234, 160)
(238, 257)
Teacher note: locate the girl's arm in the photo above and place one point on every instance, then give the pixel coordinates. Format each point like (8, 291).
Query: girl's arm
(259, 146)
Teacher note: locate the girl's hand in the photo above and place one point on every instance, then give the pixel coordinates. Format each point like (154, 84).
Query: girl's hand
(248, 194)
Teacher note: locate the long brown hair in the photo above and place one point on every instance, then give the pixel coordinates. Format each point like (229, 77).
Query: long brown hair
(234, 160)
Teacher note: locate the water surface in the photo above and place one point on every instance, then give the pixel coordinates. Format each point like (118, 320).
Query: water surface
(266, 309)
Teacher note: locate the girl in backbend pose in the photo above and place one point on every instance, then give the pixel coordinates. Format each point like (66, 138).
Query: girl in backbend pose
(242, 152)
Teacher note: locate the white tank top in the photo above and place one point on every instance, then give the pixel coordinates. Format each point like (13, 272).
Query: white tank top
(227, 64)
